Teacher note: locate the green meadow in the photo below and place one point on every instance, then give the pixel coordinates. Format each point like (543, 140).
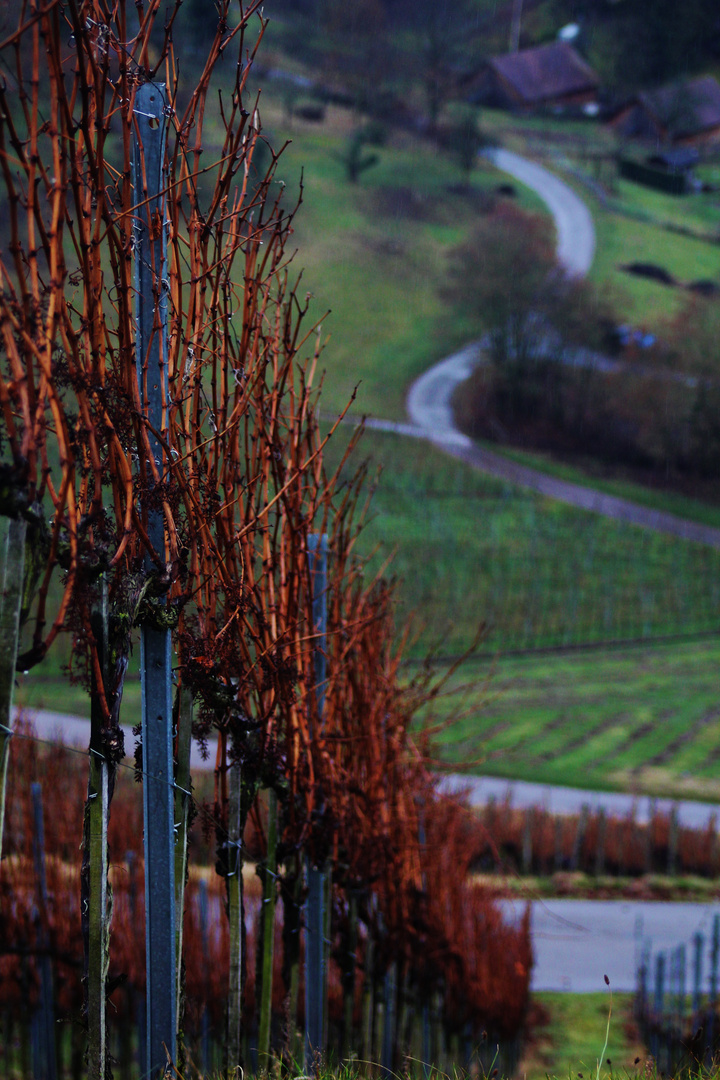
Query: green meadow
(471, 550)
(568, 1035)
(642, 718)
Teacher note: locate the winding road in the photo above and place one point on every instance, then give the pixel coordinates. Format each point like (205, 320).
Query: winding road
(430, 396)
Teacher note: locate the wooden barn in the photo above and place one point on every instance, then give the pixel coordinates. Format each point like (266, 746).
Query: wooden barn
(552, 76)
(680, 114)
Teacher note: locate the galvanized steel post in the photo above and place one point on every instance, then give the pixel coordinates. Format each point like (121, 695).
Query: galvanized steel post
(317, 876)
(158, 791)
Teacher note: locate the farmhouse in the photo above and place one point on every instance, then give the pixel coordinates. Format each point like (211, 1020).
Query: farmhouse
(681, 113)
(549, 76)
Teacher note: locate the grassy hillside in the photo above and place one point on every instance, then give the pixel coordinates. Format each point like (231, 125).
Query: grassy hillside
(374, 253)
(537, 573)
(638, 719)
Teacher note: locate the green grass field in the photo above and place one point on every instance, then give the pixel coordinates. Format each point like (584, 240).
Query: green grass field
(642, 719)
(620, 241)
(537, 573)
(374, 254)
(569, 1034)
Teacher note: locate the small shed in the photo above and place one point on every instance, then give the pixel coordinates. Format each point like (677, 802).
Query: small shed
(549, 76)
(685, 113)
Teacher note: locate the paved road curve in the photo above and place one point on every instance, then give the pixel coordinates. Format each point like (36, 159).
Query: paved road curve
(573, 220)
(430, 396)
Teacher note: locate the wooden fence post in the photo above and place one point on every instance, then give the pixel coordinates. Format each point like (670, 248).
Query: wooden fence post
(368, 999)
(12, 554)
(138, 1010)
(158, 802)
(349, 967)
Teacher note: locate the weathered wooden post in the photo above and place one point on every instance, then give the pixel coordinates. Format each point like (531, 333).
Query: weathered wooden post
(137, 1008)
(681, 986)
(317, 876)
(12, 556)
(158, 788)
(712, 988)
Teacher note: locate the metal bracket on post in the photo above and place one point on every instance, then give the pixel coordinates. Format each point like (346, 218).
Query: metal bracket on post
(317, 877)
(156, 668)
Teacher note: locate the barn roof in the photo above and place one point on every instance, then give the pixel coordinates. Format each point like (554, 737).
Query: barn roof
(687, 108)
(546, 72)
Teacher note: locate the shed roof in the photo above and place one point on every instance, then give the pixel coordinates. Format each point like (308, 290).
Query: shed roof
(546, 72)
(686, 108)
